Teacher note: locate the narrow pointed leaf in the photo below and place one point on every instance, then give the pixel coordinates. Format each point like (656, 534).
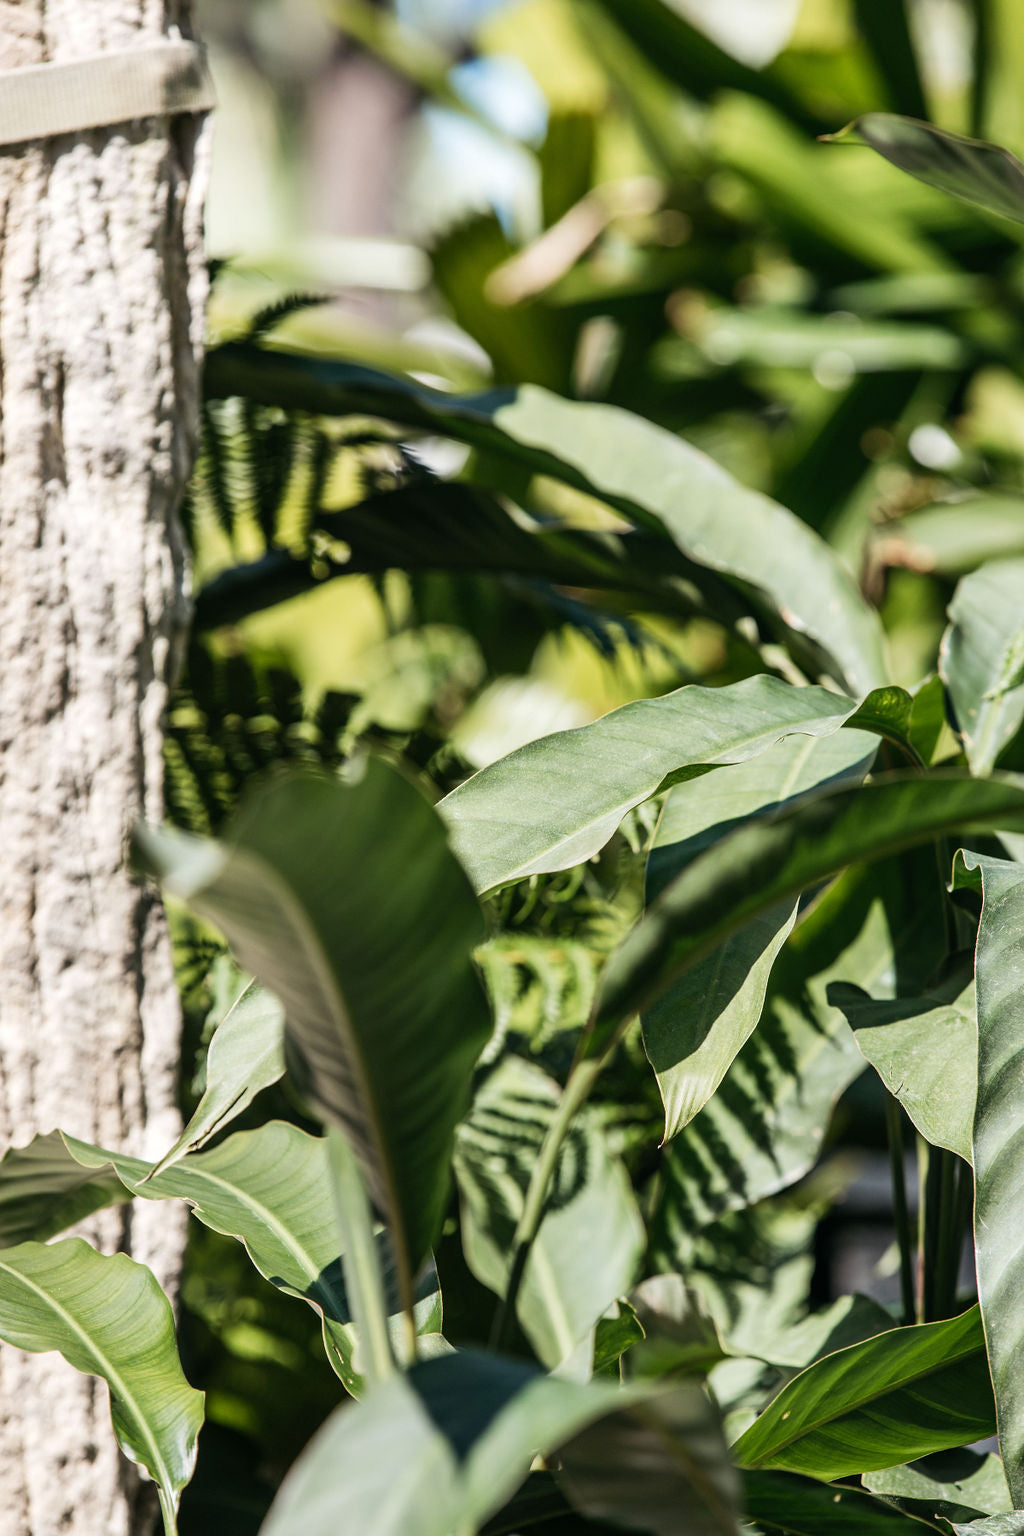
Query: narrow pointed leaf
(695, 1029)
(591, 1240)
(246, 1055)
(762, 864)
(998, 1142)
(347, 903)
(925, 1050)
(781, 568)
(969, 169)
(108, 1317)
(558, 800)
(438, 1449)
(895, 1397)
(982, 660)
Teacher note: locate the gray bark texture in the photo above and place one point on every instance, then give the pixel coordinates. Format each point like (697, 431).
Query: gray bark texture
(102, 292)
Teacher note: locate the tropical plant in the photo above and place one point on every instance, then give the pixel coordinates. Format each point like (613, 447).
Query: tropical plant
(525, 1081)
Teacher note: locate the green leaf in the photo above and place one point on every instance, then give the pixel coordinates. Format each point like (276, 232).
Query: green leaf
(949, 1485)
(588, 1249)
(886, 30)
(982, 660)
(969, 169)
(108, 1317)
(438, 1448)
(764, 1127)
(782, 569)
(346, 902)
(697, 1026)
(925, 1051)
(890, 1399)
(44, 1191)
(558, 800)
(1009, 1524)
(802, 1506)
(246, 1055)
(998, 1166)
(660, 1466)
(762, 864)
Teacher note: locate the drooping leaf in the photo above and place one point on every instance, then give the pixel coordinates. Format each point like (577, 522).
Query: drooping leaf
(781, 567)
(760, 865)
(558, 800)
(246, 1055)
(982, 659)
(695, 1029)
(969, 169)
(591, 1239)
(439, 1448)
(925, 1051)
(108, 1317)
(347, 903)
(893, 1398)
(997, 1141)
(802, 1506)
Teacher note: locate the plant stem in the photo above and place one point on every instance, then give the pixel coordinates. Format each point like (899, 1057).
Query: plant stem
(577, 1090)
(894, 1131)
(360, 1260)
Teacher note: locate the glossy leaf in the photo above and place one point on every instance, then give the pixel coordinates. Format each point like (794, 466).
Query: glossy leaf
(982, 660)
(588, 1249)
(975, 172)
(108, 1317)
(558, 800)
(347, 903)
(925, 1051)
(246, 1055)
(695, 1029)
(652, 476)
(894, 1397)
(762, 864)
(437, 1449)
(801, 1506)
(998, 1166)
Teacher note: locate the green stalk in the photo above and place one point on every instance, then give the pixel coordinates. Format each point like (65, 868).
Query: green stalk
(582, 1078)
(951, 1233)
(904, 1236)
(364, 1284)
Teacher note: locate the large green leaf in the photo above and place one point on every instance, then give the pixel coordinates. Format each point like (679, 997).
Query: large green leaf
(953, 538)
(697, 1026)
(765, 1125)
(784, 571)
(982, 659)
(760, 865)
(998, 1142)
(441, 1447)
(558, 800)
(270, 1188)
(588, 1249)
(345, 900)
(925, 1051)
(246, 1055)
(974, 171)
(890, 1399)
(109, 1318)
(1009, 1524)
(801, 1506)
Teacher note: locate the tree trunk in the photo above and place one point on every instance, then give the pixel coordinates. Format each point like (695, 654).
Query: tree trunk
(102, 290)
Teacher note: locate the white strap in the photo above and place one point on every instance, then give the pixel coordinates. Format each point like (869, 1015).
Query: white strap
(158, 80)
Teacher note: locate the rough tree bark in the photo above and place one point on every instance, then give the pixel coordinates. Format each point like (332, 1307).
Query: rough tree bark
(102, 288)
